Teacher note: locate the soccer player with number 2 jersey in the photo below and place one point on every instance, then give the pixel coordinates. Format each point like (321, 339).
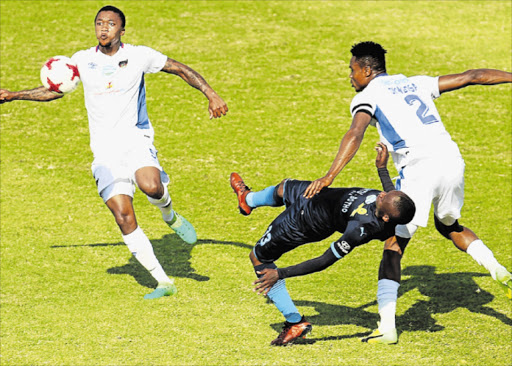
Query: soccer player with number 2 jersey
(430, 166)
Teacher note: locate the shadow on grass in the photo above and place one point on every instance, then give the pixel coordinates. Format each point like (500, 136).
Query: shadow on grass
(446, 292)
(330, 314)
(173, 254)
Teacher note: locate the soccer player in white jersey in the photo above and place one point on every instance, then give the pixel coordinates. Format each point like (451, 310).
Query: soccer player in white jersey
(429, 163)
(121, 134)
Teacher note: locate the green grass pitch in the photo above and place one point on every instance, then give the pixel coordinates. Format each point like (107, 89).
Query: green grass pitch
(72, 295)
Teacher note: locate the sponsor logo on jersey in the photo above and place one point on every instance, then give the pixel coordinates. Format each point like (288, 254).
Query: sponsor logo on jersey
(343, 246)
(92, 65)
(123, 63)
(108, 70)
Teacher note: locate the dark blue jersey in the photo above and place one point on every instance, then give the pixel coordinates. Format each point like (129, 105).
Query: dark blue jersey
(350, 211)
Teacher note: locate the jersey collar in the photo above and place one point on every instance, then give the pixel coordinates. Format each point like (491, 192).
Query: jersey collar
(98, 47)
(379, 75)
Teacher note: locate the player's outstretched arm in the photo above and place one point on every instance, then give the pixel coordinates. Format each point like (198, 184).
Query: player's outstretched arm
(271, 276)
(216, 107)
(348, 148)
(473, 77)
(381, 162)
(40, 94)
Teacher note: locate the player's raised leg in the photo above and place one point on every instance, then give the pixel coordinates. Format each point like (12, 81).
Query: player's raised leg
(248, 200)
(467, 241)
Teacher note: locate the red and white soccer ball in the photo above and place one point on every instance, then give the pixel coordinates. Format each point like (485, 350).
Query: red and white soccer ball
(60, 75)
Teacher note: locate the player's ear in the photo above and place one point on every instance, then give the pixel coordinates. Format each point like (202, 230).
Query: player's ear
(385, 218)
(367, 71)
(122, 32)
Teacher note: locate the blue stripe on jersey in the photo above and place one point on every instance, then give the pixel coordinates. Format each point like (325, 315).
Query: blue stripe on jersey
(388, 131)
(398, 184)
(142, 118)
(334, 251)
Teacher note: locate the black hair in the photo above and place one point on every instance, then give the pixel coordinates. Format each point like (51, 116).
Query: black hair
(370, 54)
(406, 208)
(114, 10)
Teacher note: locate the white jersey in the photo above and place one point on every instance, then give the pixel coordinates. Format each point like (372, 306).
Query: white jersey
(115, 96)
(406, 117)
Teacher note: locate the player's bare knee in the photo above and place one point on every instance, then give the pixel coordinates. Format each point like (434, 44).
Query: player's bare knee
(125, 220)
(280, 188)
(153, 189)
(392, 244)
(396, 244)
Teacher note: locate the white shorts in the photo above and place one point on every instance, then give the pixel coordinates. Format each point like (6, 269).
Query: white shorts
(115, 175)
(439, 181)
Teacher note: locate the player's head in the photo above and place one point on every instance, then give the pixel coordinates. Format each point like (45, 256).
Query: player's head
(368, 60)
(395, 207)
(114, 10)
(109, 25)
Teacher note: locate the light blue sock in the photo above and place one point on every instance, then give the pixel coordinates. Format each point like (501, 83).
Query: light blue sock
(280, 296)
(261, 198)
(282, 300)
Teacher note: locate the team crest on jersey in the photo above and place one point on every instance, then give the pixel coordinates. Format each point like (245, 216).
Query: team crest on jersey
(109, 85)
(92, 65)
(123, 63)
(370, 199)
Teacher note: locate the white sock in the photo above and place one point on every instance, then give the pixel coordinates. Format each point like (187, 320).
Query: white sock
(141, 248)
(387, 295)
(164, 204)
(483, 256)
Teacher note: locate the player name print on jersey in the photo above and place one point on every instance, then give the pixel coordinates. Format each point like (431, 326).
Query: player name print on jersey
(351, 198)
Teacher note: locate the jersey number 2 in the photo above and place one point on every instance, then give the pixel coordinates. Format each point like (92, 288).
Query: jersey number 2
(422, 111)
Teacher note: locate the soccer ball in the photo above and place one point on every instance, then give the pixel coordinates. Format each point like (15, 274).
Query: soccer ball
(60, 75)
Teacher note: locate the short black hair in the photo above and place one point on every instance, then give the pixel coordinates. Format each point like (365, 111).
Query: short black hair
(370, 54)
(405, 205)
(114, 10)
